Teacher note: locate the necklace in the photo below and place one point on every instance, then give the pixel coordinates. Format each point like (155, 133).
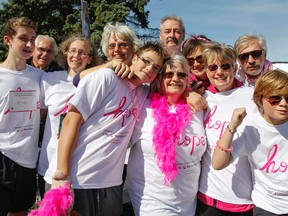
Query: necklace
(166, 132)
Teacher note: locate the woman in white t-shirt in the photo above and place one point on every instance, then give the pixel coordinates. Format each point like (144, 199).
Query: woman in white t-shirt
(226, 192)
(167, 146)
(263, 137)
(76, 54)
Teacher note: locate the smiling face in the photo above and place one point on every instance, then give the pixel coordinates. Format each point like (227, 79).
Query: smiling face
(22, 44)
(146, 66)
(43, 54)
(197, 65)
(120, 50)
(78, 56)
(221, 74)
(171, 35)
(174, 80)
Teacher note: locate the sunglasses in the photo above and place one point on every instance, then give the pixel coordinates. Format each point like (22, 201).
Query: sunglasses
(170, 75)
(275, 100)
(254, 54)
(191, 60)
(215, 67)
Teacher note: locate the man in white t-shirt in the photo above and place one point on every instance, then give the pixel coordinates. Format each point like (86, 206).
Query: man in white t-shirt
(96, 131)
(19, 117)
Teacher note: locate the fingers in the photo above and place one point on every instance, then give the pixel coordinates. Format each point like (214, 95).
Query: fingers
(238, 116)
(123, 70)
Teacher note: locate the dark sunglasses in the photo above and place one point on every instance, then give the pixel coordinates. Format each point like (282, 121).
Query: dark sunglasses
(215, 67)
(191, 60)
(254, 54)
(170, 75)
(275, 100)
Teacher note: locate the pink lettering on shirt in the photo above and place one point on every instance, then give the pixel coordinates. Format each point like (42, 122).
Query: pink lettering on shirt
(271, 164)
(65, 108)
(216, 124)
(193, 141)
(126, 113)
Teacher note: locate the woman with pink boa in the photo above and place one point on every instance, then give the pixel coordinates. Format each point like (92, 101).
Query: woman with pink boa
(167, 146)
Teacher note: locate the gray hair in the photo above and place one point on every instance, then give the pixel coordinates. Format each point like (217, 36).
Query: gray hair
(55, 47)
(122, 31)
(176, 18)
(156, 84)
(245, 40)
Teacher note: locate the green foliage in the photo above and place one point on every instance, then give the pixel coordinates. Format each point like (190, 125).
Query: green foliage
(61, 18)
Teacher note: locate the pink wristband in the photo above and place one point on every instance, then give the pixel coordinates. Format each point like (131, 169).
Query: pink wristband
(227, 150)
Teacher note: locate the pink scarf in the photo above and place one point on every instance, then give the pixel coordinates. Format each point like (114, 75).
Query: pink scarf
(267, 66)
(166, 132)
(236, 84)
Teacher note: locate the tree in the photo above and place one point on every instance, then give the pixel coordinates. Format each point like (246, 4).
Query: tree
(60, 18)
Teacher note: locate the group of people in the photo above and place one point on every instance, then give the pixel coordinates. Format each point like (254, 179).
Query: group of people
(172, 110)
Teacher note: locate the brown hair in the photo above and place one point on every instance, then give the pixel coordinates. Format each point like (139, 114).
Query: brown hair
(65, 45)
(12, 25)
(273, 82)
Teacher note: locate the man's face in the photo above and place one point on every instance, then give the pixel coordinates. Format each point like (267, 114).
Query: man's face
(23, 43)
(43, 54)
(146, 66)
(171, 35)
(251, 59)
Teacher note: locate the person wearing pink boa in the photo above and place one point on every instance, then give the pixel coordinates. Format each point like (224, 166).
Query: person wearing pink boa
(251, 53)
(167, 146)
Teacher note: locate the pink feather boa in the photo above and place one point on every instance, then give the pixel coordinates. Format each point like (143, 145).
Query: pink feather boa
(166, 132)
(56, 202)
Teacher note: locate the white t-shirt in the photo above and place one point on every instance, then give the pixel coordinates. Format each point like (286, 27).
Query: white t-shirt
(266, 146)
(109, 106)
(145, 181)
(19, 114)
(234, 183)
(56, 91)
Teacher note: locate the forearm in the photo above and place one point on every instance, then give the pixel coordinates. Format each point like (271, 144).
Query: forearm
(222, 153)
(67, 141)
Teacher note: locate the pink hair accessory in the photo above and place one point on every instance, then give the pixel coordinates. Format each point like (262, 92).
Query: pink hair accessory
(56, 202)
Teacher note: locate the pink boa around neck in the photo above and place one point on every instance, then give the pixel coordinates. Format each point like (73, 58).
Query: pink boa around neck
(56, 202)
(166, 133)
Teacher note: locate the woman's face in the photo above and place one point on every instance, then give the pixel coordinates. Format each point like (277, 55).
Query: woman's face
(275, 108)
(174, 80)
(120, 50)
(78, 56)
(221, 74)
(197, 65)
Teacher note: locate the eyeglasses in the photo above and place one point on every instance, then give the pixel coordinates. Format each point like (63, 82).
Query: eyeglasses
(254, 54)
(155, 68)
(191, 60)
(276, 99)
(77, 52)
(42, 50)
(170, 75)
(120, 46)
(215, 67)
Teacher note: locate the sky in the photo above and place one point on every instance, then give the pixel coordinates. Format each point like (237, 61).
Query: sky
(225, 20)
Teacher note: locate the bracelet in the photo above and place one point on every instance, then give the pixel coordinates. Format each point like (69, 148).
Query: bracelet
(227, 150)
(232, 132)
